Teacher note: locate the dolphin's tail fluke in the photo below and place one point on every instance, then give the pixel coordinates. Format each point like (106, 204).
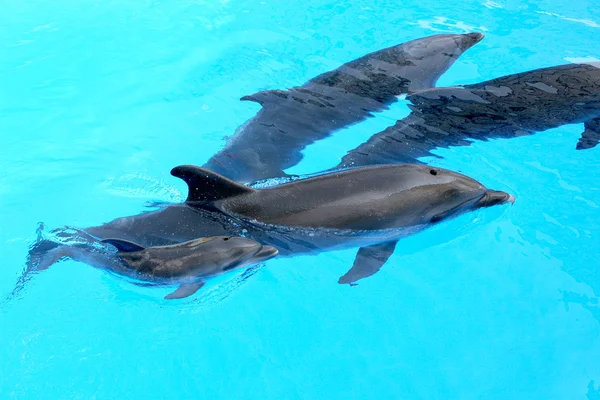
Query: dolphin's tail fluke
(44, 252)
(48, 248)
(37, 256)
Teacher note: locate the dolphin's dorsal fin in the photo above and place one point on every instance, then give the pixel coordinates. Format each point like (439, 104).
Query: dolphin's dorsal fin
(124, 245)
(206, 186)
(266, 96)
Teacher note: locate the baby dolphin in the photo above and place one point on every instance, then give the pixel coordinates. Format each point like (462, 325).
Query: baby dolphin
(189, 263)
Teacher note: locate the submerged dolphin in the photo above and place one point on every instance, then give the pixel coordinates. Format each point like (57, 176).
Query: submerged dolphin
(190, 263)
(187, 264)
(369, 207)
(292, 119)
(506, 107)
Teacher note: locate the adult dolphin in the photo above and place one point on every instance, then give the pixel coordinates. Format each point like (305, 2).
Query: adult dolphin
(506, 107)
(371, 208)
(292, 119)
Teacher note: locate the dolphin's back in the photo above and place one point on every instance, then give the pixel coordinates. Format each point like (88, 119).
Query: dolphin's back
(372, 198)
(505, 107)
(292, 119)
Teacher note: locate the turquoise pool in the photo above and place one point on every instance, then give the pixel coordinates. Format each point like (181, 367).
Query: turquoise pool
(99, 100)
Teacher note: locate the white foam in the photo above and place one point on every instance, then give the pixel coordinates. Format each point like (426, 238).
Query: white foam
(441, 24)
(587, 22)
(492, 4)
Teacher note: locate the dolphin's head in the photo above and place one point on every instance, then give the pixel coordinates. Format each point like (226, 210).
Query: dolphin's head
(265, 253)
(225, 253)
(448, 45)
(433, 55)
(436, 194)
(229, 252)
(400, 69)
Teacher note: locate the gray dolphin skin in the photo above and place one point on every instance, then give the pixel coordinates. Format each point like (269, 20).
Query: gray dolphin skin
(185, 263)
(292, 119)
(369, 207)
(506, 107)
(189, 263)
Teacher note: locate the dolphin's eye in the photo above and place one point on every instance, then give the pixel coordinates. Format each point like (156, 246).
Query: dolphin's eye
(226, 238)
(433, 172)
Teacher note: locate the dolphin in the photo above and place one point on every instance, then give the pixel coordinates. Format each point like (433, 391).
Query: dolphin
(369, 207)
(292, 119)
(505, 107)
(189, 263)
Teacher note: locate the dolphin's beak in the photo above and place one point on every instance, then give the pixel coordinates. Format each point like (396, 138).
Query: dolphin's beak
(249, 251)
(471, 39)
(265, 253)
(494, 197)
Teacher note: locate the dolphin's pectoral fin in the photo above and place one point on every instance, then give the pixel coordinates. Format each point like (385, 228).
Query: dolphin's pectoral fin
(124, 246)
(591, 135)
(185, 290)
(368, 261)
(206, 186)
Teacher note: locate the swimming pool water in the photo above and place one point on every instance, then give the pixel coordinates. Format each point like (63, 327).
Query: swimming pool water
(99, 100)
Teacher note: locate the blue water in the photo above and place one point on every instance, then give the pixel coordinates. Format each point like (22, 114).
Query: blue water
(99, 100)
